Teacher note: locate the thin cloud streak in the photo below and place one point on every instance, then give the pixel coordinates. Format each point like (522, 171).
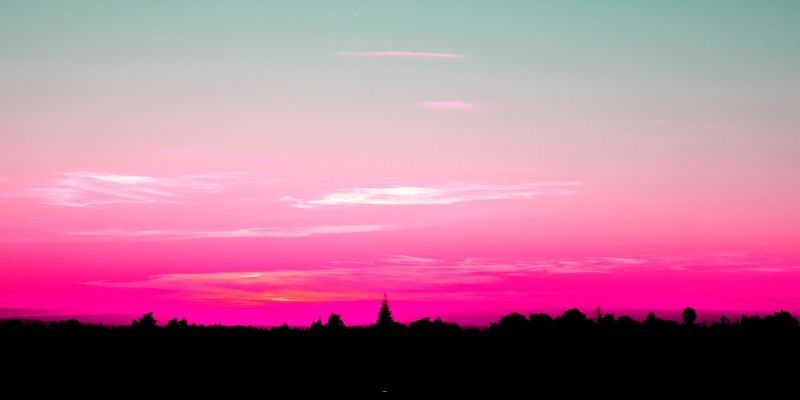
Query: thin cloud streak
(230, 233)
(450, 105)
(420, 278)
(411, 260)
(86, 189)
(695, 124)
(403, 54)
(439, 195)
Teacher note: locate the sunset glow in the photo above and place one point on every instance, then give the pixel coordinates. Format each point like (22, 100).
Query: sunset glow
(262, 163)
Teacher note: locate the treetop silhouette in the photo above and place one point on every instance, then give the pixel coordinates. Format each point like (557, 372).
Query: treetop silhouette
(689, 315)
(147, 321)
(571, 324)
(385, 319)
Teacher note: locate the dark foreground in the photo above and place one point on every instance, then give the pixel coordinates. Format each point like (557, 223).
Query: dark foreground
(532, 356)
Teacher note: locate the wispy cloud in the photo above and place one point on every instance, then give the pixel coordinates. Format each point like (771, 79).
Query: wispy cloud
(415, 278)
(422, 278)
(695, 124)
(439, 195)
(230, 233)
(89, 189)
(403, 54)
(450, 105)
(411, 260)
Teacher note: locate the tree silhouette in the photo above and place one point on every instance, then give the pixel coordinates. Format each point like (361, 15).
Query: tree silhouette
(512, 324)
(385, 314)
(780, 321)
(147, 321)
(573, 319)
(598, 314)
(689, 315)
(177, 324)
(335, 322)
(536, 327)
(607, 320)
(317, 326)
(540, 320)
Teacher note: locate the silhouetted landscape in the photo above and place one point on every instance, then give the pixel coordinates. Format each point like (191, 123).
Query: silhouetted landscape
(572, 323)
(555, 199)
(517, 354)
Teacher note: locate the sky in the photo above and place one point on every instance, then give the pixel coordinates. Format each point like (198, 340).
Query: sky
(265, 162)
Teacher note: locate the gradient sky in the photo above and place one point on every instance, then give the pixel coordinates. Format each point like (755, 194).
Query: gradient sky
(262, 162)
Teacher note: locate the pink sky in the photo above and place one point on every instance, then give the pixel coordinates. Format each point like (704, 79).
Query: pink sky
(233, 165)
(281, 244)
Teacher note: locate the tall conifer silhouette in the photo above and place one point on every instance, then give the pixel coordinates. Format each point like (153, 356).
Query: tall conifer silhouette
(385, 314)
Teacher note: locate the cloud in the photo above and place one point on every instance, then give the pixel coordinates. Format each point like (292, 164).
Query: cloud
(695, 124)
(450, 105)
(309, 285)
(402, 54)
(89, 189)
(411, 260)
(231, 233)
(439, 195)
(419, 278)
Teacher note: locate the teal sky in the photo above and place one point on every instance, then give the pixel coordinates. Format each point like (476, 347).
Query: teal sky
(687, 59)
(460, 149)
(650, 50)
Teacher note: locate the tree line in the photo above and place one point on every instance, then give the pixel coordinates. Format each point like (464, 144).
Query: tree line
(572, 322)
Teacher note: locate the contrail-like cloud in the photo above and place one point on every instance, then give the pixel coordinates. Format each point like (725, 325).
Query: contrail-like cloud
(403, 54)
(299, 232)
(439, 195)
(86, 189)
(450, 105)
